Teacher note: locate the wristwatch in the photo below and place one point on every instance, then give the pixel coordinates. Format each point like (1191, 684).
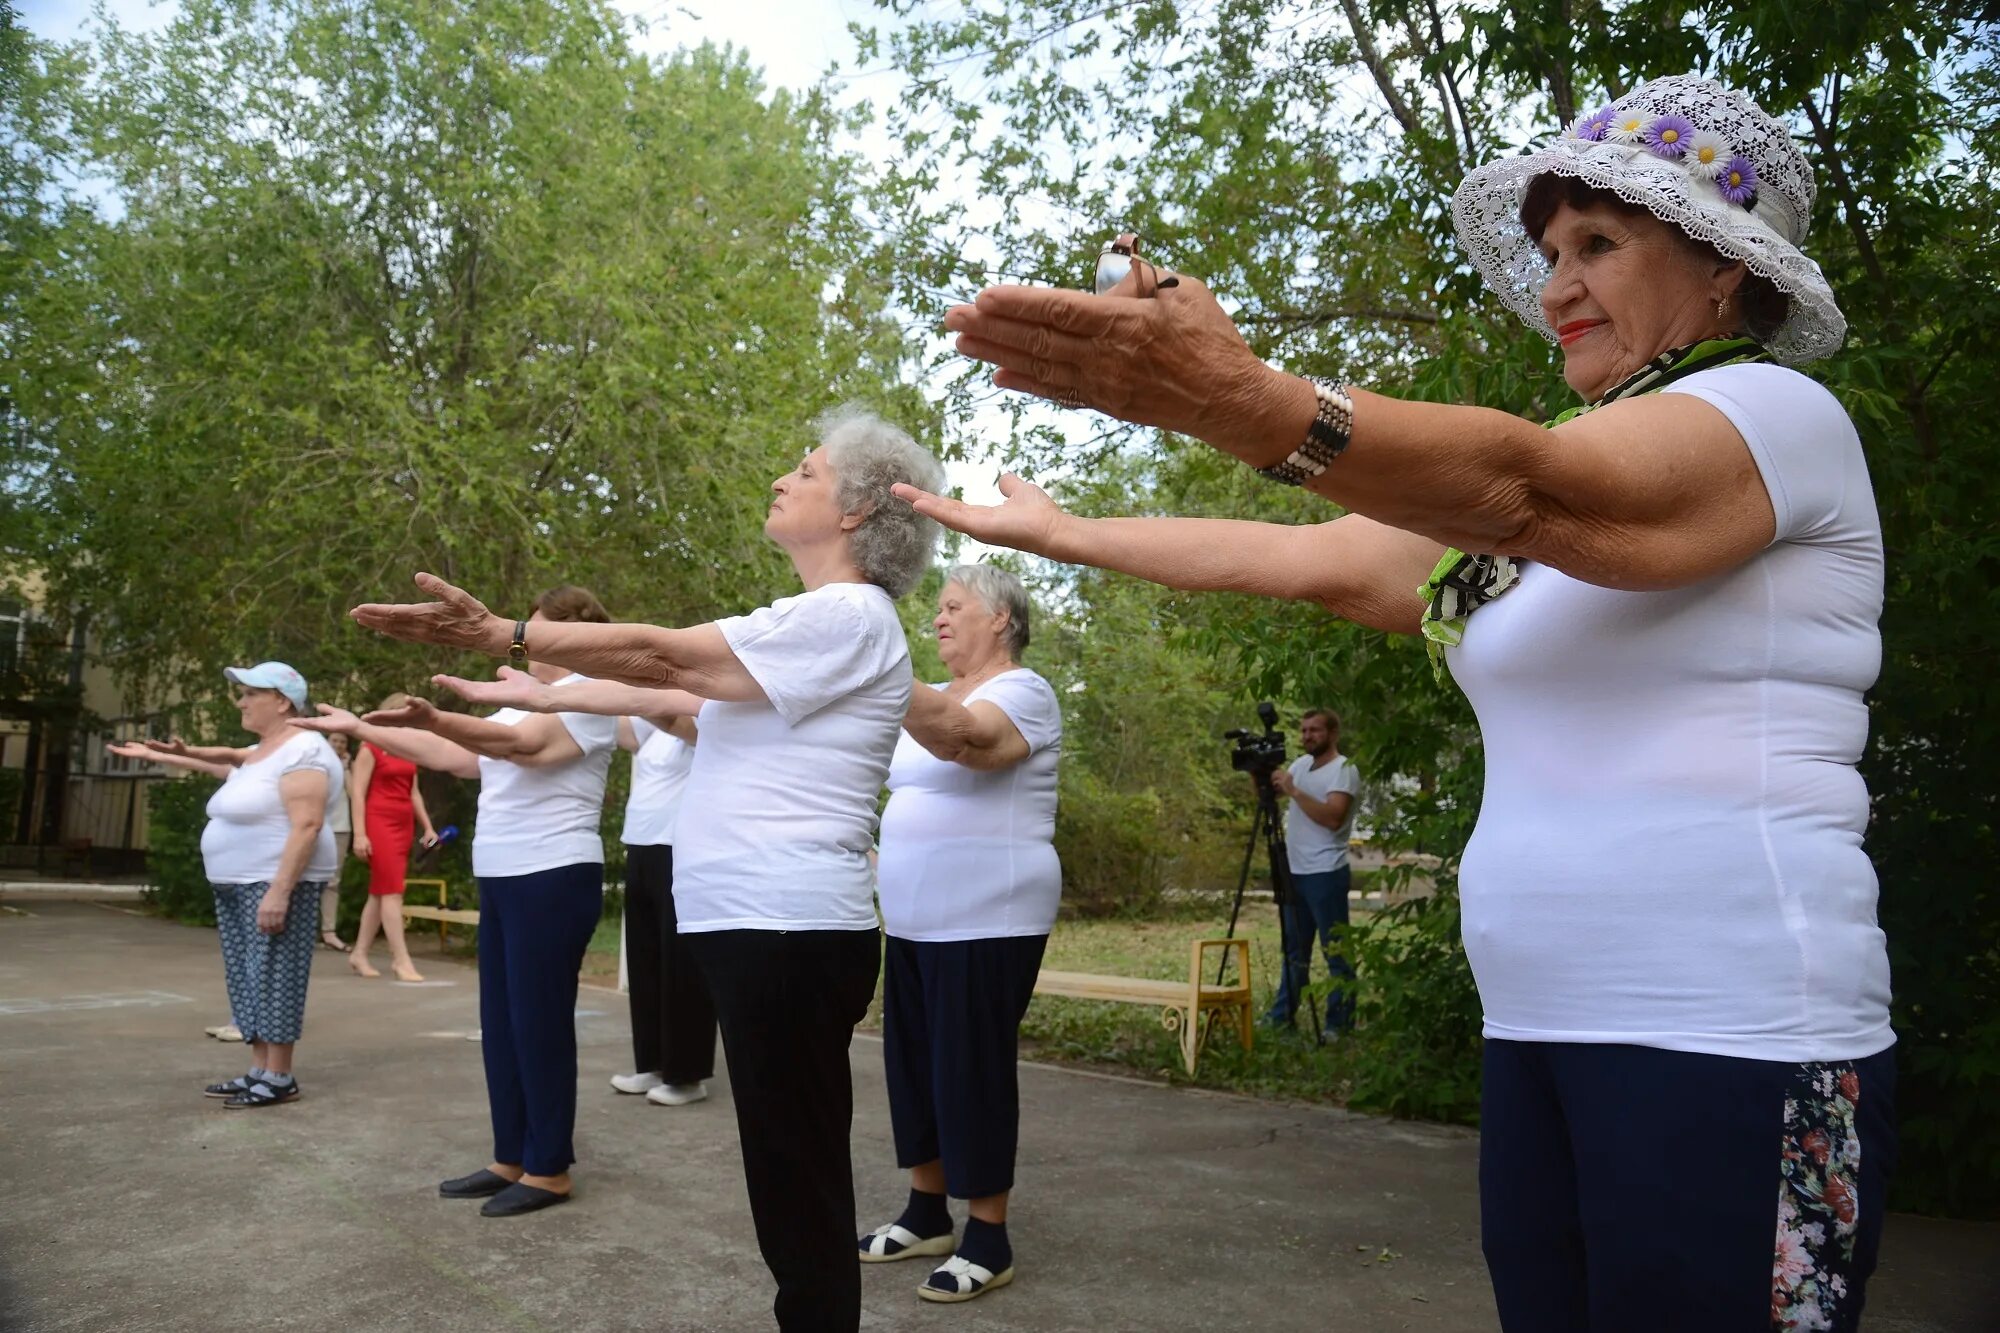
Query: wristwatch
(517, 651)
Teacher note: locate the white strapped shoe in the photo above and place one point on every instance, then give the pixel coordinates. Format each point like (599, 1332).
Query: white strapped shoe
(891, 1242)
(958, 1279)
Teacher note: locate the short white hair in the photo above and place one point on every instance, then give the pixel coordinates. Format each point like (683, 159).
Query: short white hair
(998, 590)
(893, 545)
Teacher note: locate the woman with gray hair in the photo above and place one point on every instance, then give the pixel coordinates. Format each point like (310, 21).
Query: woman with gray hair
(1664, 611)
(799, 705)
(969, 883)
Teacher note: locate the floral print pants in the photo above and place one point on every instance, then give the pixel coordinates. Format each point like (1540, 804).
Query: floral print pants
(1629, 1188)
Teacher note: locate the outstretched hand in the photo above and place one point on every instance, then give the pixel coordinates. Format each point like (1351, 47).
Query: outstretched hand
(1172, 359)
(173, 746)
(135, 750)
(514, 689)
(417, 713)
(330, 721)
(1026, 519)
(456, 619)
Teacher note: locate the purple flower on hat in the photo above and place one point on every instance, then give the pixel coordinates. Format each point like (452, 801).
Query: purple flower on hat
(1668, 136)
(1738, 181)
(1593, 126)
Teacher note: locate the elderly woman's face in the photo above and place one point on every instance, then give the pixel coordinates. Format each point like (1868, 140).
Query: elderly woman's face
(968, 631)
(1624, 288)
(261, 709)
(806, 503)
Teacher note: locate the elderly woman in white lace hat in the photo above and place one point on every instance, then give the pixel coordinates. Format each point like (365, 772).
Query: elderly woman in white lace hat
(1664, 610)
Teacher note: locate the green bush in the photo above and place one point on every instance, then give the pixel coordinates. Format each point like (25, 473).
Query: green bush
(177, 811)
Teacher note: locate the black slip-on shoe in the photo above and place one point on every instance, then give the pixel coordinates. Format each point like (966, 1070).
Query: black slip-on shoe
(481, 1184)
(262, 1094)
(518, 1198)
(241, 1083)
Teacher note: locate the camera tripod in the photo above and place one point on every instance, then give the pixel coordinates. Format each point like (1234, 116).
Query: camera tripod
(1265, 822)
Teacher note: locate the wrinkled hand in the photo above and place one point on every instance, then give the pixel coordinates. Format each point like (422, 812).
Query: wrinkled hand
(1026, 519)
(272, 909)
(361, 849)
(1173, 359)
(173, 746)
(513, 689)
(330, 721)
(456, 619)
(417, 713)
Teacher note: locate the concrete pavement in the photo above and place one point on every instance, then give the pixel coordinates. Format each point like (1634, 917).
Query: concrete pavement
(127, 1201)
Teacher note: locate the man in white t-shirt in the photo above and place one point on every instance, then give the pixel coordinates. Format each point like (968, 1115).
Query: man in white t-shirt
(1323, 785)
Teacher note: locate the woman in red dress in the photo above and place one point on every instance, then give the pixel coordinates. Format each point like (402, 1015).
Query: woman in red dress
(387, 804)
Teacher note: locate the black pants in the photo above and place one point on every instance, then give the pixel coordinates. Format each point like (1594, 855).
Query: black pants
(673, 1023)
(951, 1040)
(533, 930)
(1639, 1190)
(788, 1002)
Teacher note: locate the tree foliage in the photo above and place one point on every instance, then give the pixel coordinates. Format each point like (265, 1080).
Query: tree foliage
(377, 287)
(1302, 159)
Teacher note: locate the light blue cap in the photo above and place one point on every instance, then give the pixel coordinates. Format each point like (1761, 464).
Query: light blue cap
(271, 676)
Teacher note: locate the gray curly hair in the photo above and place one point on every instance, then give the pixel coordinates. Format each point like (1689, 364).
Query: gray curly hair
(998, 590)
(893, 545)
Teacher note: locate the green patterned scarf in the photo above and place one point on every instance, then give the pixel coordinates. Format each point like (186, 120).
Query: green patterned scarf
(1461, 583)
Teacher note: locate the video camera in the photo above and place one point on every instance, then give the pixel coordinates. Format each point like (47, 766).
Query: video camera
(1258, 755)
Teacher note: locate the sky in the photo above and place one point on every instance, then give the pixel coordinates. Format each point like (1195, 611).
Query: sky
(795, 41)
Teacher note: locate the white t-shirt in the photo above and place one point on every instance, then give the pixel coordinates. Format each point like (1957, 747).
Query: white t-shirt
(1669, 847)
(779, 810)
(659, 774)
(967, 854)
(534, 819)
(247, 824)
(1310, 848)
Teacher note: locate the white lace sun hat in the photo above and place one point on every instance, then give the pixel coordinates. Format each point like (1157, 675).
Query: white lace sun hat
(1690, 152)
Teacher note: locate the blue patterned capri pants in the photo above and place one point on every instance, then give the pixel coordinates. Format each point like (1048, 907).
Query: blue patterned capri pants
(267, 974)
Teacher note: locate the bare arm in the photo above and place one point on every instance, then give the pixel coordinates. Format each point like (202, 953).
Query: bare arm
(304, 793)
(1355, 567)
(148, 755)
(604, 698)
(1653, 492)
(227, 756)
(1330, 812)
(419, 747)
(698, 660)
(980, 735)
(359, 777)
(533, 742)
(422, 812)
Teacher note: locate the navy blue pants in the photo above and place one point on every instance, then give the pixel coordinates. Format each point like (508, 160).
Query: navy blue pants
(533, 930)
(951, 1033)
(1316, 908)
(1627, 1189)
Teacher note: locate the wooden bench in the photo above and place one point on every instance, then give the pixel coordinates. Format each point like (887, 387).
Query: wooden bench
(1184, 1004)
(443, 914)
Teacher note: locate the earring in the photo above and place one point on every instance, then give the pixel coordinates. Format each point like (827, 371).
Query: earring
(1722, 311)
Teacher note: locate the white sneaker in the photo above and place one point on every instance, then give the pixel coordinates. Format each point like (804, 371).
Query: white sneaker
(636, 1083)
(227, 1032)
(678, 1094)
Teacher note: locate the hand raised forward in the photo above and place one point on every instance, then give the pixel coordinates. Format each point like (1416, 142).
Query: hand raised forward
(514, 689)
(456, 619)
(1026, 519)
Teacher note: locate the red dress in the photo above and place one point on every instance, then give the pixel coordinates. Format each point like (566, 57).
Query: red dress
(390, 820)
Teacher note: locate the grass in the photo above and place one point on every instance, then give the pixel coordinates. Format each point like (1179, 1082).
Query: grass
(1129, 1038)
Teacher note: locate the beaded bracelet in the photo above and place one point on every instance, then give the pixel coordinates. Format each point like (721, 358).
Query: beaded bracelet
(1326, 437)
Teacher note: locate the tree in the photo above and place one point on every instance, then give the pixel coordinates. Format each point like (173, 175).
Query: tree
(1302, 159)
(390, 286)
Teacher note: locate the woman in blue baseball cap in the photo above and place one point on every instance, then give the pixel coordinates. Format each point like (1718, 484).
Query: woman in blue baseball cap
(268, 851)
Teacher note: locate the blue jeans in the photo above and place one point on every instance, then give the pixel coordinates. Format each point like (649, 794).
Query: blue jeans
(1318, 904)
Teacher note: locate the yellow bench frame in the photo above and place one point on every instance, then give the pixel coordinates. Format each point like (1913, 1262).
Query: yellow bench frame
(1183, 1004)
(443, 914)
